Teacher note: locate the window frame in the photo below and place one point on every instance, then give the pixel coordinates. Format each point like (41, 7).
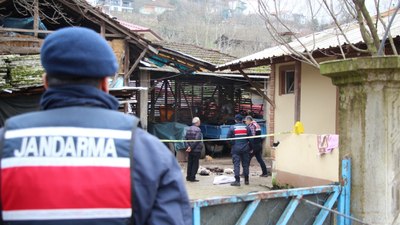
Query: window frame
(282, 79)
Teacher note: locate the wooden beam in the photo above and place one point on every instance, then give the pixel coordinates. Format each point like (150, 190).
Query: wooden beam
(152, 100)
(166, 100)
(36, 18)
(17, 39)
(19, 50)
(103, 29)
(114, 36)
(186, 100)
(297, 91)
(144, 81)
(271, 86)
(257, 88)
(4, 29)
(127, 74)
(127, 60)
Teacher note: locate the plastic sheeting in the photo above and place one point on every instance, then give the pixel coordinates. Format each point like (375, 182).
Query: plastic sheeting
(11, 106)
(170, 131)
(22, 23)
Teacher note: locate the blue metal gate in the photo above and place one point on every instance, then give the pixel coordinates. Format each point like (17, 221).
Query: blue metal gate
(314, 205)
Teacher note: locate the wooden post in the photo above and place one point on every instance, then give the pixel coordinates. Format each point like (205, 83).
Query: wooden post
(144, 80)
(128, 73)
(266, 107)
(127, 60)
(257, 88)
(166, 100)
(36, 18)
(270, 111)
(177, 99)
(152, 101)
(202, 95)
(297, 91)
(103, 29)
(191, 106)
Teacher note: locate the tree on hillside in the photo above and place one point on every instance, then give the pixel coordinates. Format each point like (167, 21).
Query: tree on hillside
(203, 23)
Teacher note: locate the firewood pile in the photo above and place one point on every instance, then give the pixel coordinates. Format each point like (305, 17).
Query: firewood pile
(18, 71)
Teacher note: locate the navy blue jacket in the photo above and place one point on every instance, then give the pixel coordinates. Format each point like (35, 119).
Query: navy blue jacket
(236, 131)
(160, 196)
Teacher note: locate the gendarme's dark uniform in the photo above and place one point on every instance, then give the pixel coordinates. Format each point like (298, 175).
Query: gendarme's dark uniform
(257, 147)
(240, 148)
(73, 163)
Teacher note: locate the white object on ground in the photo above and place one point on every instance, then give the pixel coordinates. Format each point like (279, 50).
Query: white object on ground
(223, 179)
(200, 169)
(228, 171)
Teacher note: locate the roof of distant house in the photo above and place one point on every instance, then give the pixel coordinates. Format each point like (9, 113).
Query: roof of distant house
(138, 29)
(160, 3)
(208, 55)
(132, 27)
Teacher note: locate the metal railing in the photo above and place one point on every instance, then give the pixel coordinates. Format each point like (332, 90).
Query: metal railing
(311, 205)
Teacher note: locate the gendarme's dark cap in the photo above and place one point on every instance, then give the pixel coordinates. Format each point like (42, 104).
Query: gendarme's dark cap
(239, 117)
(78, 52)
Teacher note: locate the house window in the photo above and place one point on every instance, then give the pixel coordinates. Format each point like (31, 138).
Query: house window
(287, 80)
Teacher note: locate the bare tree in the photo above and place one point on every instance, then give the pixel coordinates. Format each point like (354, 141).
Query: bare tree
(203, 23)
(344, 15)
(54, 15)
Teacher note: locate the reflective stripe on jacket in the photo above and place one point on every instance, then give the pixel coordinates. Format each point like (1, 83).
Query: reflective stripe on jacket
(237, 131)
(71, 166)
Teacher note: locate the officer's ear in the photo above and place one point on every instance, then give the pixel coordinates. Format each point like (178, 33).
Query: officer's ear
(45, 82)
(104, 84)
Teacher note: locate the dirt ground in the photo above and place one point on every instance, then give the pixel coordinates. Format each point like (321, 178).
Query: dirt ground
(205, 188)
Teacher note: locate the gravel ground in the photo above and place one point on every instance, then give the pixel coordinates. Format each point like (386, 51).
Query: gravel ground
(206, 189)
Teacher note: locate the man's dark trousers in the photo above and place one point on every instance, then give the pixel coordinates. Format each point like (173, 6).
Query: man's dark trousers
(241, 156)
(193, 165)
(257, 152)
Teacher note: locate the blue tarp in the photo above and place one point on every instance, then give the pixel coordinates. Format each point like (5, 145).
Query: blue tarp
(22, 23)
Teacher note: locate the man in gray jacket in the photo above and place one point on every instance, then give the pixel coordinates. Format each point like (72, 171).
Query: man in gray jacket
(194, 149)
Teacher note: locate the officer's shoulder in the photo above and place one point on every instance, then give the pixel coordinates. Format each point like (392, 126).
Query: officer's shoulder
(25, 116)
(152, 144)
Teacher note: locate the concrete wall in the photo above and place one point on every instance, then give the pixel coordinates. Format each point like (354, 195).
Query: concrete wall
(318, 102)
(298, 164)
(284, 110)
(369, 90)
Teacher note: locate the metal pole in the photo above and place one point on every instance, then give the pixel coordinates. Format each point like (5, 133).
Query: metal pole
(346, 176)
(166, 100)
(196, 215)
(333, 211)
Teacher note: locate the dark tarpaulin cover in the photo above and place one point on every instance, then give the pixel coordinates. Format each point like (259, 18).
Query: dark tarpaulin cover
(170, 131)
(22, 23)
(11, 106)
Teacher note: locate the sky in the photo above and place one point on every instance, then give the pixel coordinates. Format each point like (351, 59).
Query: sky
(302, 6)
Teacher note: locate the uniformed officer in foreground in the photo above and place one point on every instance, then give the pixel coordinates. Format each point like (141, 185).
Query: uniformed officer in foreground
(240, 149)
(79, 161)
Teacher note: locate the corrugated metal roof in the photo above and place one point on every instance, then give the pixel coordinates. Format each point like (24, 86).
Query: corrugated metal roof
(329, 38)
